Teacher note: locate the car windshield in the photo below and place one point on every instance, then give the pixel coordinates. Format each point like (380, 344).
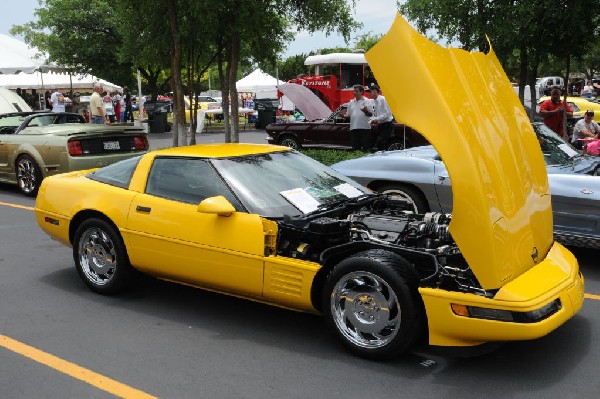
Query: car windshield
(12, 120)
(285, 183)
(556, 150)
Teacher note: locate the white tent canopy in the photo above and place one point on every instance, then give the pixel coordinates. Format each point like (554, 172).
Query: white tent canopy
(49, 81)
(18, 57)
(259, 82)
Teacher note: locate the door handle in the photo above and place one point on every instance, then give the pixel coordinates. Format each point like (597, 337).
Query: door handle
(144, 209)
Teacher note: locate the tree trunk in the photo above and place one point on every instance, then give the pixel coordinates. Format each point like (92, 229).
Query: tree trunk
(523, 72)
(233, 62)
(224, 77)
(566, 88)
(179, 131)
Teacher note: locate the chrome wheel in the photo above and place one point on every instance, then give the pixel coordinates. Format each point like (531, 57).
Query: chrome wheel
(97, 256)
(290, 142)
(365, 309)
(28, 175)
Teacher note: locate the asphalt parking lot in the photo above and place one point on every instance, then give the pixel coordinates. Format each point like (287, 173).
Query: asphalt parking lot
(60, 340)
(162, 140)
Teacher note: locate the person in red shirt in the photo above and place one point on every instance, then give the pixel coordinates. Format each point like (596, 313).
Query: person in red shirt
(552, 112)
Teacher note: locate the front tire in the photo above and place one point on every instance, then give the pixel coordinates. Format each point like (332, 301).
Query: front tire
(371, 302)
(29, 175)
(100, 257)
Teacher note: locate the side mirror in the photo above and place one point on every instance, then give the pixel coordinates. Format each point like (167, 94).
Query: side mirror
(217, 205)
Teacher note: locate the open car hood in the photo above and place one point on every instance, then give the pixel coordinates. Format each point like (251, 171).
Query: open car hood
(311, 106)
(502, 218)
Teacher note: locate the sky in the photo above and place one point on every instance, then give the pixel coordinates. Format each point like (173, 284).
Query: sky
(376, 15)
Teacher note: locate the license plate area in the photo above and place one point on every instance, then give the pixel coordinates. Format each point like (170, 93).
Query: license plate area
(112, 145)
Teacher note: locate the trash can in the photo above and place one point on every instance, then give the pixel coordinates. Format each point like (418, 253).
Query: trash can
(157, 112)
(157, 121)
(266, 108)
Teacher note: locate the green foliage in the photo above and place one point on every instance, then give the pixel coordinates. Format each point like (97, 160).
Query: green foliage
(82, 34)
(366, 41)
(528, 37)
(329, 157)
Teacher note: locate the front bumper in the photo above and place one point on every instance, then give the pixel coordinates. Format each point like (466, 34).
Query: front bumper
(556, 277)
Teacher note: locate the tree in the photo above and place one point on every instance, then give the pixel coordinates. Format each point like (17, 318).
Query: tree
(522, 32)
(74, 35)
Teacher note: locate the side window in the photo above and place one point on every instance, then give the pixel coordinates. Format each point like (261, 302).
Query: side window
(118, 174)
(187, 180)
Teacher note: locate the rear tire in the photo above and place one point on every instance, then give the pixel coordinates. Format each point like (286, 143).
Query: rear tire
(29, 175)
(370, 300)
(417, 200)
(290, 141)
(101, 258)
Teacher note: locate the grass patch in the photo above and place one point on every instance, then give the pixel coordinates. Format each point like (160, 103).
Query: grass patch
(329, 157)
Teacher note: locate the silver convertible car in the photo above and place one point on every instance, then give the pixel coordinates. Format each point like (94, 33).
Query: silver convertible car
(419, 175)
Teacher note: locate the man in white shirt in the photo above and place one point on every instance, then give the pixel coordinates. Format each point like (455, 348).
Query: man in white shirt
(97, 106)
(585, 128)
(58, 101)
(359, 110)
(383, 118)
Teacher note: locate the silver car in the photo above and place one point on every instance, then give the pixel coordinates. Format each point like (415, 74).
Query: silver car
(419, 175)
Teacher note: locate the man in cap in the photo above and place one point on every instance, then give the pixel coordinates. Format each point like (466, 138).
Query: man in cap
(586, 128)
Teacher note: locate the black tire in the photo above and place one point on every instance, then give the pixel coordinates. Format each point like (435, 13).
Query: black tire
(371, 302)
(29, 175)
(101, 258)
(290, 141)
(397, 145)
(413, 195)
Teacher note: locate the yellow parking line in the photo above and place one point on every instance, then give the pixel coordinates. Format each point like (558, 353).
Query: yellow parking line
(29, 208)
(99, 381)
(592, 296)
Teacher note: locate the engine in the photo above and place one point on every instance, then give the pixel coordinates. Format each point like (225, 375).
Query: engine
(423, 239)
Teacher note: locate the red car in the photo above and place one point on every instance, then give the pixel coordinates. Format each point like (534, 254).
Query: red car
(325, 129)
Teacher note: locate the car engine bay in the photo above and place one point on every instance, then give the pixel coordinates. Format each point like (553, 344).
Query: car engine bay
(378, 221)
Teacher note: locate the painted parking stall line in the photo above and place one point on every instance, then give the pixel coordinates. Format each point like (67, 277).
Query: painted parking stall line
(81, 373)
(29, 208)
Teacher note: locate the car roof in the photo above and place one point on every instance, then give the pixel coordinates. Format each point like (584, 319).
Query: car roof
(220, 150)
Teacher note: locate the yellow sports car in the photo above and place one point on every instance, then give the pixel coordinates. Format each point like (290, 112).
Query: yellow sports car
(269, 224)
(204, 103)
(579, 106)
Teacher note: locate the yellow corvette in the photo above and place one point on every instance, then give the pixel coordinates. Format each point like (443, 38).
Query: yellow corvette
(269, 224)
(579, 106)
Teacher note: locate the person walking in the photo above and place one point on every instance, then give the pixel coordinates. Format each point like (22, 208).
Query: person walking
(108, 107)
(552, 112)
(359, 110)
(128, 106)
(97, 106)
(117, 99)
(383, 119)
